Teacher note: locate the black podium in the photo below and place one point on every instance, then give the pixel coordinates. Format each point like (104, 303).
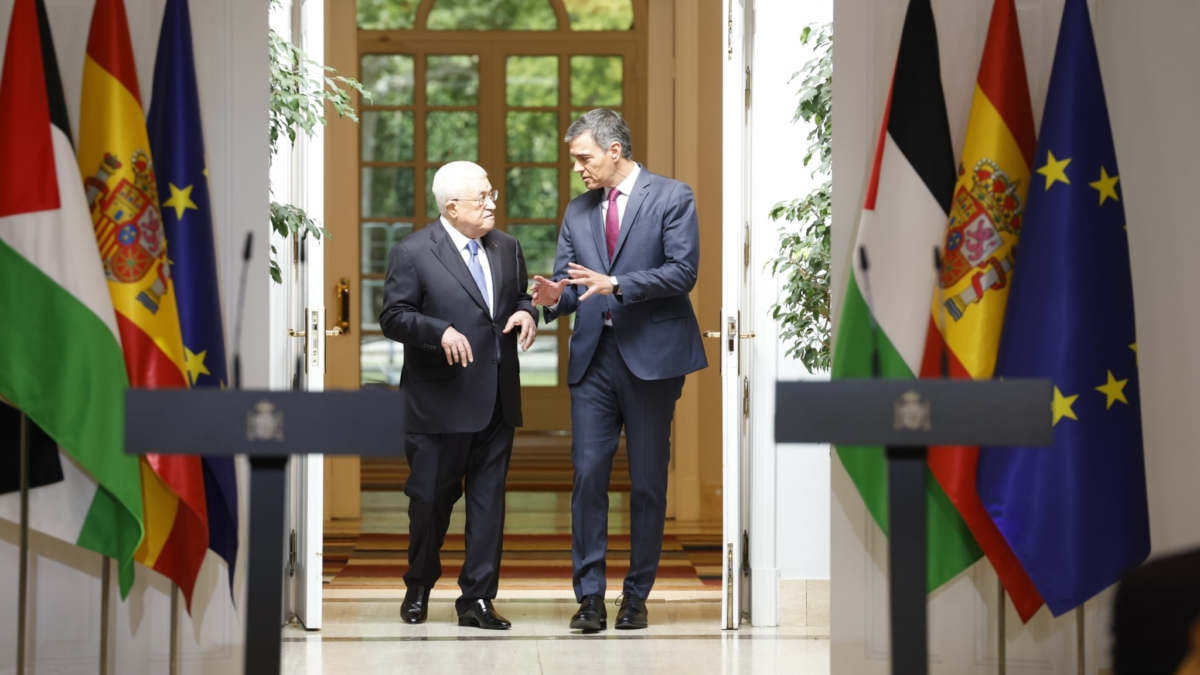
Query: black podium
(268, 426)
(907, 416)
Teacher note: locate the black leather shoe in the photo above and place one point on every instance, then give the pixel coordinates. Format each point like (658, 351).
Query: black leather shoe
(481, 614)
(632, 613)
(591, 615)
(415, 608)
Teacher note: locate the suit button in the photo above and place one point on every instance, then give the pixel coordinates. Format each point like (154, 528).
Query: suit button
(495, 359)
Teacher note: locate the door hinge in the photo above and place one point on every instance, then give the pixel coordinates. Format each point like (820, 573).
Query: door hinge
(746, 399)
(747, 87)
(730, 56)
(292, 554)
(729, 588)
(746, 247)
(745, 553)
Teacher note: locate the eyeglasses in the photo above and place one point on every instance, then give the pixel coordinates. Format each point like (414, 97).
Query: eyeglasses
(494, 195)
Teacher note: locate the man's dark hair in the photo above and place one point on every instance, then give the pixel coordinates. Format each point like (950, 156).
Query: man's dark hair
(606, 126)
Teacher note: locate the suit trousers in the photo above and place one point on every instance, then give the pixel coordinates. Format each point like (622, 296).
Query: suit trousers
(607, 398)
(441, 466)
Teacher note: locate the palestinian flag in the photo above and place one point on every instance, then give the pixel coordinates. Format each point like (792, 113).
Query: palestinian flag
(122, 192)
(907, 205)
(978, 256)
(60, 358)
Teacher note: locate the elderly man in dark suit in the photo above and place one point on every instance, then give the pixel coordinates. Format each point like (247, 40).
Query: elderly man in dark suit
(628, 254)
(456, 298)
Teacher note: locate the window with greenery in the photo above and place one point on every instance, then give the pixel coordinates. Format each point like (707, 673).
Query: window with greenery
(492, 15)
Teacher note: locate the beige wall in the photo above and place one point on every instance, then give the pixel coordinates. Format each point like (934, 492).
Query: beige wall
(685, 143)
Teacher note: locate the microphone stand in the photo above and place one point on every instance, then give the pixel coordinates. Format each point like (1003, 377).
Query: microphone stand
(237, 331)
(866, 290)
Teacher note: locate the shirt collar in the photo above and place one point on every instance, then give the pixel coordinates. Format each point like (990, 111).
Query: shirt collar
(627, 185)
(460, 240)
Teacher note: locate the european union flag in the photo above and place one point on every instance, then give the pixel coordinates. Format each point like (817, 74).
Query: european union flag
(1075, 514)
(177, 144)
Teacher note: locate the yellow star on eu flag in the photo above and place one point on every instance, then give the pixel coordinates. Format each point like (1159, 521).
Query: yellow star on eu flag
(1062, 406)
(181, 200)
(1114, 389)
(1055, 170)
(195, 364)
(1107, 185)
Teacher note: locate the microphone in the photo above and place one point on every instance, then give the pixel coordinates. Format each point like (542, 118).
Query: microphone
(941, 303)
(237, 331)
(866, 290)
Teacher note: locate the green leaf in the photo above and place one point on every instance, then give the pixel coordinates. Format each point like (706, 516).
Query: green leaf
(803, 263)
(299, 90)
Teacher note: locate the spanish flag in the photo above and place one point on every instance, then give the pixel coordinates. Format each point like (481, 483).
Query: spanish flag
(976, 268)
(122, 192)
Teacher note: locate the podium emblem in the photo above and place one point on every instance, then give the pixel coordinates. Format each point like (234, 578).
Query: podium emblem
(912, 413)
(264, 423)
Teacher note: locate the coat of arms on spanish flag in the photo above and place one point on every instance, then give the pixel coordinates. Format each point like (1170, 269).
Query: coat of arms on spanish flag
(118, 173)
(977, 259)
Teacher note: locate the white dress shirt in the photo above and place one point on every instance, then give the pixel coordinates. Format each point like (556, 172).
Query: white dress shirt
(626, 187)
(460, 242)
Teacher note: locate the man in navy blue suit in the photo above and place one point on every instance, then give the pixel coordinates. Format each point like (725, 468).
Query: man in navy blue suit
(628, 254)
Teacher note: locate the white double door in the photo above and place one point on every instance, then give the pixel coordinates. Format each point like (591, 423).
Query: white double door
(297, 306)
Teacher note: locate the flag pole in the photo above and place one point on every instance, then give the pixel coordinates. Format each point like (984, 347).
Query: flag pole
(105, 571)
(23, 574)
(1080, 642)
(1002, 628)
(174, 669)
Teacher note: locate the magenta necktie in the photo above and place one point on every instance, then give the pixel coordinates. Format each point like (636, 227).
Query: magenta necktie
(612, 222)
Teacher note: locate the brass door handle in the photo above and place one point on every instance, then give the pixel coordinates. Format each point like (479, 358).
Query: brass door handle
(716, 334)
(341, 295)
(333, 332)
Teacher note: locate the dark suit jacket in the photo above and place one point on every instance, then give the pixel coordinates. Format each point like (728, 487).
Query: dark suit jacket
(428, 288)
(656, 260)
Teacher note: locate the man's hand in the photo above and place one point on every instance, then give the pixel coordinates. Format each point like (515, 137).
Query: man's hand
(458, 350)
(545, 292)
(595, 282)
(528, 328)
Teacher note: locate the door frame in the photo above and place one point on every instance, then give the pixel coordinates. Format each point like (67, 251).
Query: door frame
(736, 314)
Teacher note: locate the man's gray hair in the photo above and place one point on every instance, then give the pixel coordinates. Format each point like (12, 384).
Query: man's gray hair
(606, 126)
(453, 180)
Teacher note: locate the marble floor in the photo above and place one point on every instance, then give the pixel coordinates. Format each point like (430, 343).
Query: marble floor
(364, 635)
(362, 632)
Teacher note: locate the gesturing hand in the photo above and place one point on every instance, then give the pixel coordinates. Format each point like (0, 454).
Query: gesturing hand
(528, 326)
(546, 292)
(595, 282)
(457, 349)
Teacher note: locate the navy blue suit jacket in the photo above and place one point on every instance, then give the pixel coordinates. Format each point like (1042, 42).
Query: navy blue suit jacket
(655, 261)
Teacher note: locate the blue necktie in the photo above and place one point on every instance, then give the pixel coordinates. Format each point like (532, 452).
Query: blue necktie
(477, 272)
